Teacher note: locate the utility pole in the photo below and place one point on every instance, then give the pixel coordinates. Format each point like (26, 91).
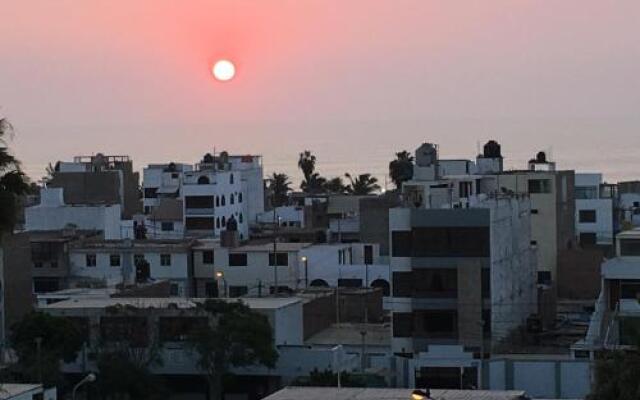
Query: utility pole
(39, 356)
(276, 224)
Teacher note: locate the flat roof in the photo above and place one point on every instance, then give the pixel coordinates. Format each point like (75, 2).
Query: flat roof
(257, 303)
(10, 390)
(350, 334)
(621, 268)
(204, 244)
(323, 393)
(630, 234)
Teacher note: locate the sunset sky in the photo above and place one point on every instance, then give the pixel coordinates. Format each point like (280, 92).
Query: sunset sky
(352, 80)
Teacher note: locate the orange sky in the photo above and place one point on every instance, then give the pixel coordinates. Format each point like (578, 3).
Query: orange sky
(353, 80)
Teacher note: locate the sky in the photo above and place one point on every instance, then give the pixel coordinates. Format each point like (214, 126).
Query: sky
(354, 81)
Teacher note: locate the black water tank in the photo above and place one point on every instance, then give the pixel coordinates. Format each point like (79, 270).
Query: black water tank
(492, 150)
(541, 157)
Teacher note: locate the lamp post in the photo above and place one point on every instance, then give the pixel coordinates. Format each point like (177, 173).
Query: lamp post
(87, 379)
(220, 277)
(306, 271)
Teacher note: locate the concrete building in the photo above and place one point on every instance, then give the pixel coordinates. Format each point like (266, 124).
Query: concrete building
(124, 262)
(54, 214)
(99, 179)
(595, 203)
(629, 202)
(25, 391)
(161, 181)
(615, 323)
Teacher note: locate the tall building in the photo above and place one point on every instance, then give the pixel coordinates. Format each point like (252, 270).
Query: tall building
(595, 210)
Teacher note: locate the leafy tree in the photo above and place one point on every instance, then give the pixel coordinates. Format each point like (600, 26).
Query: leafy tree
(315, 184)
(617, 376)
(279, 186)
(60, 340)
(13, 182)
(236, 336)
(401, 169)
(363, 184)
(335, 185)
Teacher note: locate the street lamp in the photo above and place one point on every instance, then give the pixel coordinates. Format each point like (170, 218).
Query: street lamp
(87, 379)
(220, 277)
(306, 271)
(421, 394)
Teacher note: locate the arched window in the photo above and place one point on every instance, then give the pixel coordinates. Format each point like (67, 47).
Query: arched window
(239, 197)
(231, 198)
(319, 283)
(384, 285)
(224, 222)
(217, 201)
(203, 180)
(240, 218)
(218, 222)
(231, 179)
(222, 200)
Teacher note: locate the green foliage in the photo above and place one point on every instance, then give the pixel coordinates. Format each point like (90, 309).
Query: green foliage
(237, 337)
(401, 169)
(13, 182)
(121, 377)
(279, 186)
(335, 185)
(60, 341)
(617, 376)
(362, 184)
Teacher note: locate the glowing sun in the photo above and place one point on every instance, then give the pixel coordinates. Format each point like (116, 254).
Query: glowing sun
(224, 70)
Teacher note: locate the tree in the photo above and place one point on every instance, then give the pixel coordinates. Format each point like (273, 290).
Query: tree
(617, 376)
(401, 169)
(363, 184)
(307, 163)
(236, 336)
(315, 184)
(13, 182)
(335, 185)
(279, 186)
(59, 340)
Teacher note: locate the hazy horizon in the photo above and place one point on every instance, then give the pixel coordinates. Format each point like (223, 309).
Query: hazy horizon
(354, 82)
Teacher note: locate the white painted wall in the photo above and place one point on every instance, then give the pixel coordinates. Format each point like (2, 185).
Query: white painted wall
(288, 215)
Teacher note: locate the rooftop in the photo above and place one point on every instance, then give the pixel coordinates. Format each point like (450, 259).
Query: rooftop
(350, 334)
(620, 268)
(205, 244)
(325, 393)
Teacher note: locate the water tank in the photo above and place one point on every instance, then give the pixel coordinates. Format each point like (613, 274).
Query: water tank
(207, 159)
(541, 157)
(426, 155)
(492, 150)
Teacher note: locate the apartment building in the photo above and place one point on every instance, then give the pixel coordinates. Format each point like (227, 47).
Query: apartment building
(595, 210)
(112, 263)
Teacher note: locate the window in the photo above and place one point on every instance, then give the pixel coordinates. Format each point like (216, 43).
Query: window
(450, 242)
(138, 259)
(203, 180)
(207, 257)
(90, 260)
(44, 285)
(114, 260)
(165, 260)
(435, 283)
(485, 284)
(222, 200)
(401, 243)
(438, 323)
(217, 201)
(231, 198)
(37, 264)
(539, 185)
(231, 179)
(636, 204)
(586, 192)
(281, 259)
(534, 211)
(53, 264)
(368, 254)
(237, 259)
(544, 277)
(224, 221)
(239, 197)
(240, 218)
(630, 247)
(587, 216)
(402, 284)
(198, 202)
(402, 324)
(533, 243)
(174, 175)
(382, 284)
(199, 223)
(167, 226)
(218, 222)
(352, 283)
(42, 251)
(237, 291)
(588, 239)
(150, 193)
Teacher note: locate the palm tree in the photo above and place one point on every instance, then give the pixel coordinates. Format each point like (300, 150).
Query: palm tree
(315, 184)
(401, 169)
(13, 182)
(307, 163)
(363, 184)
(279, 186)
(335, 185)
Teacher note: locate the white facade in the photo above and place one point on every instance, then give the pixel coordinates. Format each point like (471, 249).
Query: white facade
(52, 214)
(287, 216)
(594, 213)
(114, 262)
(161, 180)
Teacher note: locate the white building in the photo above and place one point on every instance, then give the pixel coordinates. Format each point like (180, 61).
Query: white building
(161, 181)
(53, 214)
(287, 216)
(594, 210)
(118, 262)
